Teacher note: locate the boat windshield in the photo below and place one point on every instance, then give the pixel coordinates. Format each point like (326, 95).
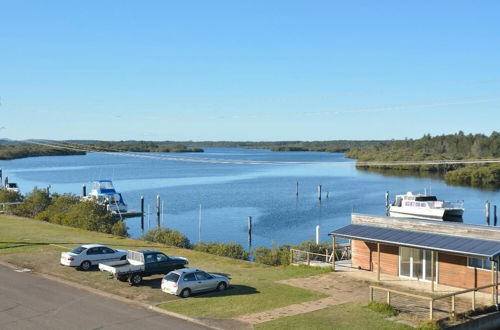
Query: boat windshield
(426, 198)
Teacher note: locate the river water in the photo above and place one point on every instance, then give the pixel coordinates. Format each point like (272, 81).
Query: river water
(237, 183)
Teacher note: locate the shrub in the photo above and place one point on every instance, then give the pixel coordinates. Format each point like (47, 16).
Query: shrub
(277, 256)
(34, 203)
(167, 236)
(58, 208)
(8, 196)
(119, 229)
(231, 249)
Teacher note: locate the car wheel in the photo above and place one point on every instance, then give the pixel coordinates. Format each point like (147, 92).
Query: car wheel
(185, 293)
(222, 286)
(85, 265)
(135, 279)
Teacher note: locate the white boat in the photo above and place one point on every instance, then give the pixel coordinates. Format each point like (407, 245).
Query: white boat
(423, 206)
(11, 186)
(104, 193)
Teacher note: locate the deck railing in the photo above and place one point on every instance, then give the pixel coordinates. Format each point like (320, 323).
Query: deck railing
(432, 299)
(306, 257)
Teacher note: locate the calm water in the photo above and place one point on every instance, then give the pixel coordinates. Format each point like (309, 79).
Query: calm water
(230, 192)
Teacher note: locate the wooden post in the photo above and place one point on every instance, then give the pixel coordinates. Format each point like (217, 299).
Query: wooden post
(474, 300)
(492, 282)
(308, 259)
(453, 305)
(158, 224)
(297, 189)
(495, 219)
(249, 232)
(319, 192)
(487, 207)
(333, 253)
(388, 298)
(378, 262)
(142, 214)
(432, 271)
(371, 294)
(431, 309)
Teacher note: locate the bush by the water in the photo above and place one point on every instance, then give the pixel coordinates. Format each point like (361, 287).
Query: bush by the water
(478, 176)
(65, 210)
(231, 249)
(167, 236)
(280, 255)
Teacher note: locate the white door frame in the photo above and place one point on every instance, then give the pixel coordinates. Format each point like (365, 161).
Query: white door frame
(425, 263)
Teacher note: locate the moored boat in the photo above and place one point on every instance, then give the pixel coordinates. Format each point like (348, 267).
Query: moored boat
(423, 206)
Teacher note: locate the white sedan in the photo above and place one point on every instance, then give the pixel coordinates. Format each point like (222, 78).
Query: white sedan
(86, 256)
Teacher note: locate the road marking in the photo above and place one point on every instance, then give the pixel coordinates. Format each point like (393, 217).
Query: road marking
(22, 270)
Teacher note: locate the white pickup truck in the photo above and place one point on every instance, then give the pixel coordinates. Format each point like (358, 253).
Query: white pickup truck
(142, 263)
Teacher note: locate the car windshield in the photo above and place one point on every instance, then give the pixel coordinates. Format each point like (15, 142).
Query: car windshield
(78, 250)
(172, 277)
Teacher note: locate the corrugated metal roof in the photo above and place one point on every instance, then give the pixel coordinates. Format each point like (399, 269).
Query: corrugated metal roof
(422, 240)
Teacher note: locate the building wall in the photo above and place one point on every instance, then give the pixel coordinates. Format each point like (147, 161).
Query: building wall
(452, 269)
(364, 256)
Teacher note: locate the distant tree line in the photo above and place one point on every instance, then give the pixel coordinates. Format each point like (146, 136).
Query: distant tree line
(65, 209)
(445, 147)
(18, 150)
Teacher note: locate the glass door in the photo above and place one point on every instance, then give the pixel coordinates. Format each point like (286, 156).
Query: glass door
(416, 263)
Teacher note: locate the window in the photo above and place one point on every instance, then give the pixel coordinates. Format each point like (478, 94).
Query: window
(161, 258)
(105, 250)
(94, 250)
(78, 250)
(481, 263)
(150, 258)
(172, 277)
(202, 276)
(189, 277)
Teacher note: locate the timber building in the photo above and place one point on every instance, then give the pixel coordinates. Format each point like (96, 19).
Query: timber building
(454, 254)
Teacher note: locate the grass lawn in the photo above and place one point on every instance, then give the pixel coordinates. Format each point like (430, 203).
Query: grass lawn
(346, 316)
(37, 245)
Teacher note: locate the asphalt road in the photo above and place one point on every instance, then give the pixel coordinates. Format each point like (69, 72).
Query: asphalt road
(28, 301)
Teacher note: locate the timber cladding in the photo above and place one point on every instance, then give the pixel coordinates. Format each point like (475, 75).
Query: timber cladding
(453, 271)
(364, 256)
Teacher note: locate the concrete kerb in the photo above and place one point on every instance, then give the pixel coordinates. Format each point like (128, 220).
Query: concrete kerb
(117, 297)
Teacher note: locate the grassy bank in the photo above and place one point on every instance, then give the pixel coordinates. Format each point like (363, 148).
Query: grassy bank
(37, 245)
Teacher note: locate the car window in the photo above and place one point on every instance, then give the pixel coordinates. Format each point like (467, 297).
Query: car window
(161, 258)
(78, 250)
(150, 258)
(106, 250)
(189, 277)
(202, 276)
(94, 250)
(172, 277)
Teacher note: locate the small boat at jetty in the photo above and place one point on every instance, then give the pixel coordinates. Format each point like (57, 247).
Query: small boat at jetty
(104, 193)
(423, 206)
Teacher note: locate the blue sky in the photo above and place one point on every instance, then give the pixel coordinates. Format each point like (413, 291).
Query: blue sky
(255, 70)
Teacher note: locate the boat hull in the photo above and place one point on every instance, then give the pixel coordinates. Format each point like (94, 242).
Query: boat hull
(427, 214)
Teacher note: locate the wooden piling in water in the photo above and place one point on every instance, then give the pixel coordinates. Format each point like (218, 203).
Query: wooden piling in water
(297, 189)
(84, 190)
(142, 214)
(249, 232)
(495, 219)
(158, 205)
(319, 192)
(487, 209)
